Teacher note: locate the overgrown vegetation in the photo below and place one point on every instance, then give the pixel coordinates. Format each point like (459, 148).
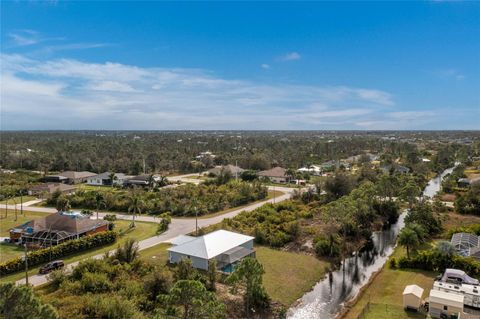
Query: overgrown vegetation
(184, 200)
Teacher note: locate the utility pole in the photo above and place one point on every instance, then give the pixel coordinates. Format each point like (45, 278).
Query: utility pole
(21, 202)
(274, 193)
(26, 265)
(196, 221)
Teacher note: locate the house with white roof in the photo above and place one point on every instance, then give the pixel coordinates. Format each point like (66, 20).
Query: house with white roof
(226, 247)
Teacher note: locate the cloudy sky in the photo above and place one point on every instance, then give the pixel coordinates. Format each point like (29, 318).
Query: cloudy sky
(153, 65)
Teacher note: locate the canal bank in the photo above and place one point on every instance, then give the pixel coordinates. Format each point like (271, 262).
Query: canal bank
(329, 296)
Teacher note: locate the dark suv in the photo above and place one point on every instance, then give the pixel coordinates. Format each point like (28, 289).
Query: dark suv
(51, 266)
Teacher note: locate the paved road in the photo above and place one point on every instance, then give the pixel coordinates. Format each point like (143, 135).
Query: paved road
(179, 226)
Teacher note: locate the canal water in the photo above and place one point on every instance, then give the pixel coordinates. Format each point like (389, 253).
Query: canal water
(329, 295)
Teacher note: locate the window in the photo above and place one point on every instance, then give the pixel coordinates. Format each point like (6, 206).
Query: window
(445, 308)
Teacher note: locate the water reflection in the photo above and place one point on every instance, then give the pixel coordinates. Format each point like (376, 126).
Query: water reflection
(329, 295)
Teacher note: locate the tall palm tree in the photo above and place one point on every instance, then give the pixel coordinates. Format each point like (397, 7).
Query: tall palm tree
(99, 201)
(408, 238)
(151, 181)
(136, 206)
(112, 176)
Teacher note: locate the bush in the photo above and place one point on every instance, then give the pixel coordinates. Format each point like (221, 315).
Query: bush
(40, 256)
(323, 248)
(393, 263)
(95, 282)
(56, 278)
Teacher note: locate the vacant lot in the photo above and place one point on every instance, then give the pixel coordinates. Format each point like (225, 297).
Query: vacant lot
(289, 275)
(141, 231)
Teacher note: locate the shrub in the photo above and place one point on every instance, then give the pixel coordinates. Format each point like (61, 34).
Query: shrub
(55, 252)
(95, 282)
(393, 263)
(57, 277)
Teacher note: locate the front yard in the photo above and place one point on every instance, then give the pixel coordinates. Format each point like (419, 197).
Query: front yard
(141, 231)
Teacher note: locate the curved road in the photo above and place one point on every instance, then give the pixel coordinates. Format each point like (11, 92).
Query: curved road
(179, 226)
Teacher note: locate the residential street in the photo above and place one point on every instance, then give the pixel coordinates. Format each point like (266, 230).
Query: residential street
(179, 226)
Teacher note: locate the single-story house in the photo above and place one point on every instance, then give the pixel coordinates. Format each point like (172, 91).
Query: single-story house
(140, 180)
(69, 177)
(397, 169)
(464, 242)
(105, 180)
(57, 228)
(311, 169)
(443, 304)
(412, 297)
(226, 247)
(232, 169)
(206, 154)
(50, 188)
(466, 182)
(276, 175)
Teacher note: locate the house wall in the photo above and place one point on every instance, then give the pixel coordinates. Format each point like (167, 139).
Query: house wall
(95, 181)
(436, 309)
(279, 180)
(248, 244)
(98, 230)
(174, 257)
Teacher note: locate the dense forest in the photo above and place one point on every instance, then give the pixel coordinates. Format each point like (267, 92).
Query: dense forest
(177, 151)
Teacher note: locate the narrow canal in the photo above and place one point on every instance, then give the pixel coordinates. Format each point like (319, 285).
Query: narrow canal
(329, 295)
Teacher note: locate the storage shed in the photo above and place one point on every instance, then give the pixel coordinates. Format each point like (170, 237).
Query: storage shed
(443, 304)
(412, 297)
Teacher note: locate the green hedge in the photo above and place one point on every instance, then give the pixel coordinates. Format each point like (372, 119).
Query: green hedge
(72, 246)
(434, 261)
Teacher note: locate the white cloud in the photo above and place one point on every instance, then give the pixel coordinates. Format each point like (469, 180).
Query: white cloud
(450, 73)
(70, 94)
(24, 37)
(291, 56)
(265, 66)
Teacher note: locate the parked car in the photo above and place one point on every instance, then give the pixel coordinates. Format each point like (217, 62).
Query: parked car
(51, 266)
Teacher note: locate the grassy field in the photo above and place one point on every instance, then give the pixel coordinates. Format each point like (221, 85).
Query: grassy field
(17, 200)
(289, 275)
(157, 254)
(385, 292)
(9, 222)
(142, 231)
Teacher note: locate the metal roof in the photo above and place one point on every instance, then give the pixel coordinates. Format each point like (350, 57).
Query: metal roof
(445, 298)
(212, 245)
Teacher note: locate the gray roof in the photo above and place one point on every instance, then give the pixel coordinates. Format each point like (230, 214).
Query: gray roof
(106, 175)
(232, 169)
(274, 172)
(212, 244)
(76, 175)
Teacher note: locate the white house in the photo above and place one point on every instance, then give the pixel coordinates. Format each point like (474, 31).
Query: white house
(312, 169)
(276, 175)
(104, 179)
(226, 247)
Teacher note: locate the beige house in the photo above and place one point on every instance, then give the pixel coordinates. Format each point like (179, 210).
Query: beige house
(276, 175)
(443, 304)
(412, 297)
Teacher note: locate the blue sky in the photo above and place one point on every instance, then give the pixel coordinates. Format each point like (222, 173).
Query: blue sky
(268, 65)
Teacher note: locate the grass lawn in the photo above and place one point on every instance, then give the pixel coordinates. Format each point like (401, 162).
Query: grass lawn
(9, 251)
(385, 291)
(157, 254)
(17, 200)
(289, 275)
(142, 231)
(9, 222)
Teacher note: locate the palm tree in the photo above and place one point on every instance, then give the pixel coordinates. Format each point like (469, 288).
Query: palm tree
(163, 181)
(136, 206)
(408, 238)
(112, 176)
(128, 252)
(99, 201)
(151, 181)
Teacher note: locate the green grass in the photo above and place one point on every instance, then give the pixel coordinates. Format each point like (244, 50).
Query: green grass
(157, 254)
(380, 311)
(17, 200)
(385, 291)
(142, 231)
(289, 275)
(270, 195)
(9, 251)
(9, 222)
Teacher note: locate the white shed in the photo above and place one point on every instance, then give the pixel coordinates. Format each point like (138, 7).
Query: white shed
(412, 297)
